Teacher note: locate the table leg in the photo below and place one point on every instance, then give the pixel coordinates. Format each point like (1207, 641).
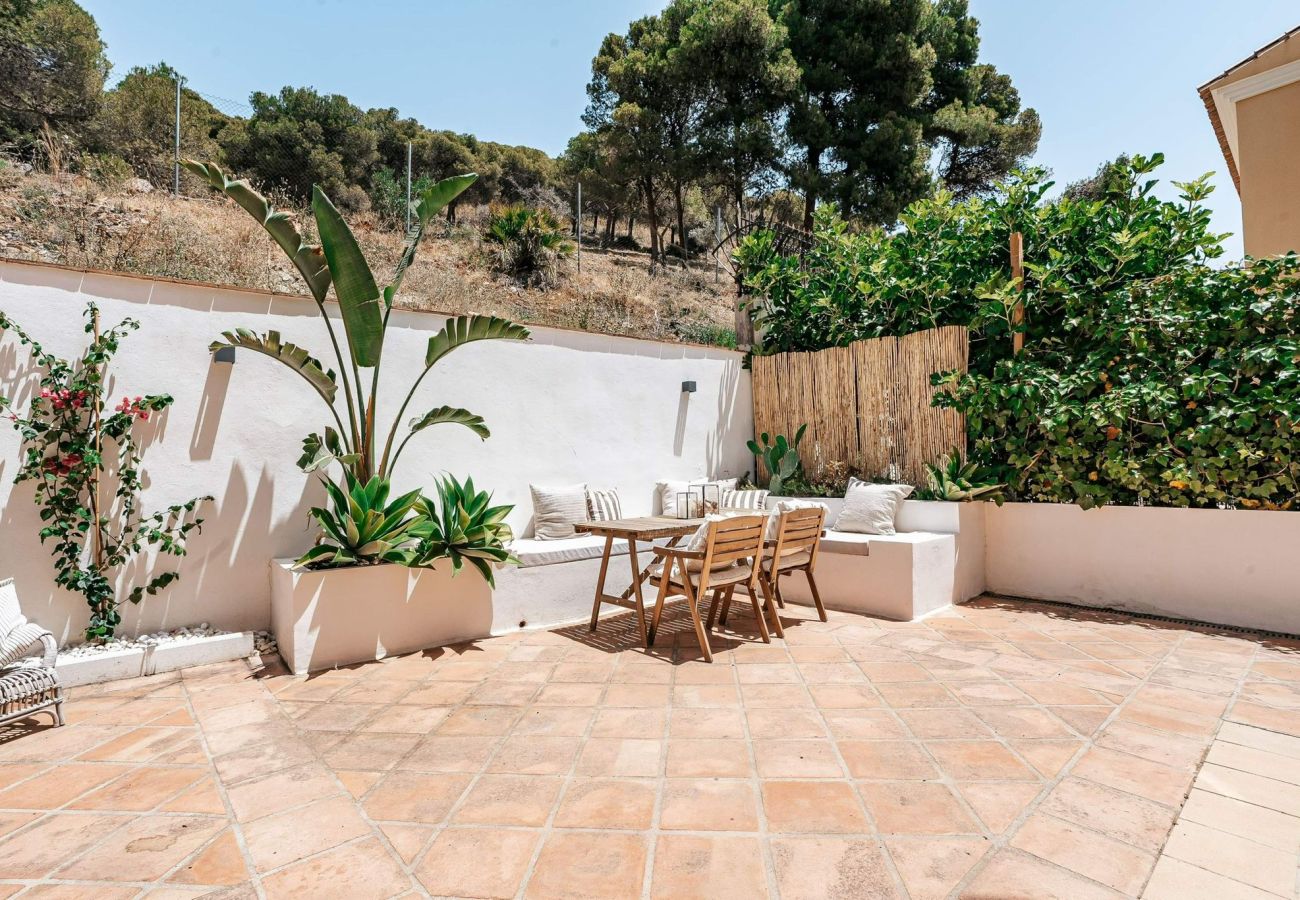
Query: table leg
(637, 577)
(600, 582)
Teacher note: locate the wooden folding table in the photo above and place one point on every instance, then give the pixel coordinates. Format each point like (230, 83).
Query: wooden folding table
(643, 528)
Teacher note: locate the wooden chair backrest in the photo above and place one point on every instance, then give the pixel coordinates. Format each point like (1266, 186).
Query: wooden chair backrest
(734, 539)
(799, 530)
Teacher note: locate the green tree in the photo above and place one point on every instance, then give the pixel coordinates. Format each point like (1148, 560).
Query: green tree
(623, 109)
(852, 124)
(52, 71)
(137, 122)
(884, 90)
(740, 54)
(974, 122)
(299, 138)
(588, 159)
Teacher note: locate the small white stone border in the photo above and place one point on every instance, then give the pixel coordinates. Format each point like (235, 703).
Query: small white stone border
(114, 665)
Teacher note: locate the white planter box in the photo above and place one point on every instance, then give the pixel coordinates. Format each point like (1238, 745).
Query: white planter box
(335, 617)
(1231, 567)
(118, 664)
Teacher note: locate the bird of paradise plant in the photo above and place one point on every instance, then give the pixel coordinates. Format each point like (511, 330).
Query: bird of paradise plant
(354, 441)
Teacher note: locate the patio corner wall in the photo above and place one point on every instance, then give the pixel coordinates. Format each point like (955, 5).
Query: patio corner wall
(1230, 567)
(565, 407)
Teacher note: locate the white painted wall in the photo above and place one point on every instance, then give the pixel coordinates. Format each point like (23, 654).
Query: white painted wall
(1231, 567)
(563, 408)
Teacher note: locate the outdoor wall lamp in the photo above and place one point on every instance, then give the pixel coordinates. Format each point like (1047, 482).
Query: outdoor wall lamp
(688, 387)
(224, 355)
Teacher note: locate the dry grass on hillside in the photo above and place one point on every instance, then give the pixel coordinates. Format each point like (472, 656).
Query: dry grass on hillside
(77, 223)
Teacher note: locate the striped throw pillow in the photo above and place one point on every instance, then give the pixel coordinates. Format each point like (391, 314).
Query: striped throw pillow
(747, 499)
(603, 506)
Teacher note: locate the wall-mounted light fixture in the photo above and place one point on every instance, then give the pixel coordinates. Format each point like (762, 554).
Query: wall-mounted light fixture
(224, 355)
(688, 387)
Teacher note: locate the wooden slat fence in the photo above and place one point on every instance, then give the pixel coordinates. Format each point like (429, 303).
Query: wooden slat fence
(867, 405)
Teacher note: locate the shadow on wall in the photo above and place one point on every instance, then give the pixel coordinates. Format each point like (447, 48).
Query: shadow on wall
(729, 418)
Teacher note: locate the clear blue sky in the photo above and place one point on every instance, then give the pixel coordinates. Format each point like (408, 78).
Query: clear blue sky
(1107, 76)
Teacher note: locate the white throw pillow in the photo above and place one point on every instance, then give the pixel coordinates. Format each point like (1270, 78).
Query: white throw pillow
(774, 523)
(668, 491)
(556, 509)
(755, 499)
(871, 508)
(603, 506)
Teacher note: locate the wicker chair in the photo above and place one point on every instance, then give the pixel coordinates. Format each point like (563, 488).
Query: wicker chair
(26, 689)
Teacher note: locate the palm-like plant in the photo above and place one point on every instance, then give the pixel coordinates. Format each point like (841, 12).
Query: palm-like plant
(361, 526)
(365, 309)
(463, 526)
(528, 241)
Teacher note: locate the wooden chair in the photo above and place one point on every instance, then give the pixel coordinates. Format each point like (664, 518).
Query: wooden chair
(729, 559)
(798, 535)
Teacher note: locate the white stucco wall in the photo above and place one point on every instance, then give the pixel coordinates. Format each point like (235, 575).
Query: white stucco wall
(1231, 567)
(563, 408)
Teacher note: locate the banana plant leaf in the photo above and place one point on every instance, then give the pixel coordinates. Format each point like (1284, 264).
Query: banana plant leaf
(307, 258)
(434, 199)
(293, 356)
(466, 329)
(354, 285)
(451, 415)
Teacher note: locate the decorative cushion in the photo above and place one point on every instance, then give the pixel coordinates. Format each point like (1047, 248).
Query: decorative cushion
(556, 509)
(668, 491)
(603, 506)
(747, 499)
(532, 552)
(871, 508)
(774, 523)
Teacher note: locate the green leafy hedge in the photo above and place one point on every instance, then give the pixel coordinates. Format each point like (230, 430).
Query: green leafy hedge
(1148, 375)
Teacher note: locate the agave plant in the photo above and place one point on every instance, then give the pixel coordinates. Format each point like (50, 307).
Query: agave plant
(354, 441)
(956, 481)
(781, 456)
(361, 526)
(463, 526)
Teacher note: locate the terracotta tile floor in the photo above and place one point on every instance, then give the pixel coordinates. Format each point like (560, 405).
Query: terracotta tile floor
(1004, 750)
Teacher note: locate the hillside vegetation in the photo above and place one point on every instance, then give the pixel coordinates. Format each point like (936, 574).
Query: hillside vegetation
(77, 222)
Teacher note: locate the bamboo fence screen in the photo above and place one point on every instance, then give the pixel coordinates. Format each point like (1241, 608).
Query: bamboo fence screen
(867, 405)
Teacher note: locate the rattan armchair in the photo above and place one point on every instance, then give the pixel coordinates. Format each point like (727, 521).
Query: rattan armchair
(26, 689)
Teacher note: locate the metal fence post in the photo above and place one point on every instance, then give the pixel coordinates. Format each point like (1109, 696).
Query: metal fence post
(408, 185)
(578, 219)
(176, 164)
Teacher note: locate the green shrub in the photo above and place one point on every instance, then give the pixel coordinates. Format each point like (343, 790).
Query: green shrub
(528, 243)
(1148, 376)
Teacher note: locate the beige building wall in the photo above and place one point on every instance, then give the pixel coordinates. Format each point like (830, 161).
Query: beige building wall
(1268, 142)
(1267, 151)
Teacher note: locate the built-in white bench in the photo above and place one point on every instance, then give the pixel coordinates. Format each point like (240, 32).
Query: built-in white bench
(555, 581)
(935, 559)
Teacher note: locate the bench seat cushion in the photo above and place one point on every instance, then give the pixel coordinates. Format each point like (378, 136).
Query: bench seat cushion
(852, 543)
(847, 542)
(534, 552)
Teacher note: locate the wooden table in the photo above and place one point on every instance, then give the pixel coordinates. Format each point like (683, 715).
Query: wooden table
(642, 528)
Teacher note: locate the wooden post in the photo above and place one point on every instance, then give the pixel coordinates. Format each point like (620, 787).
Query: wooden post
(96, 510)
(1018, 276)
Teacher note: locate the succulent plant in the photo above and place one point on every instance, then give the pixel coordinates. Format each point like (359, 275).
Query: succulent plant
(781, 456)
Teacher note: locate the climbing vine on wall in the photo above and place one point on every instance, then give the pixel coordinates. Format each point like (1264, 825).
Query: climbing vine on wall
(79, 449)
